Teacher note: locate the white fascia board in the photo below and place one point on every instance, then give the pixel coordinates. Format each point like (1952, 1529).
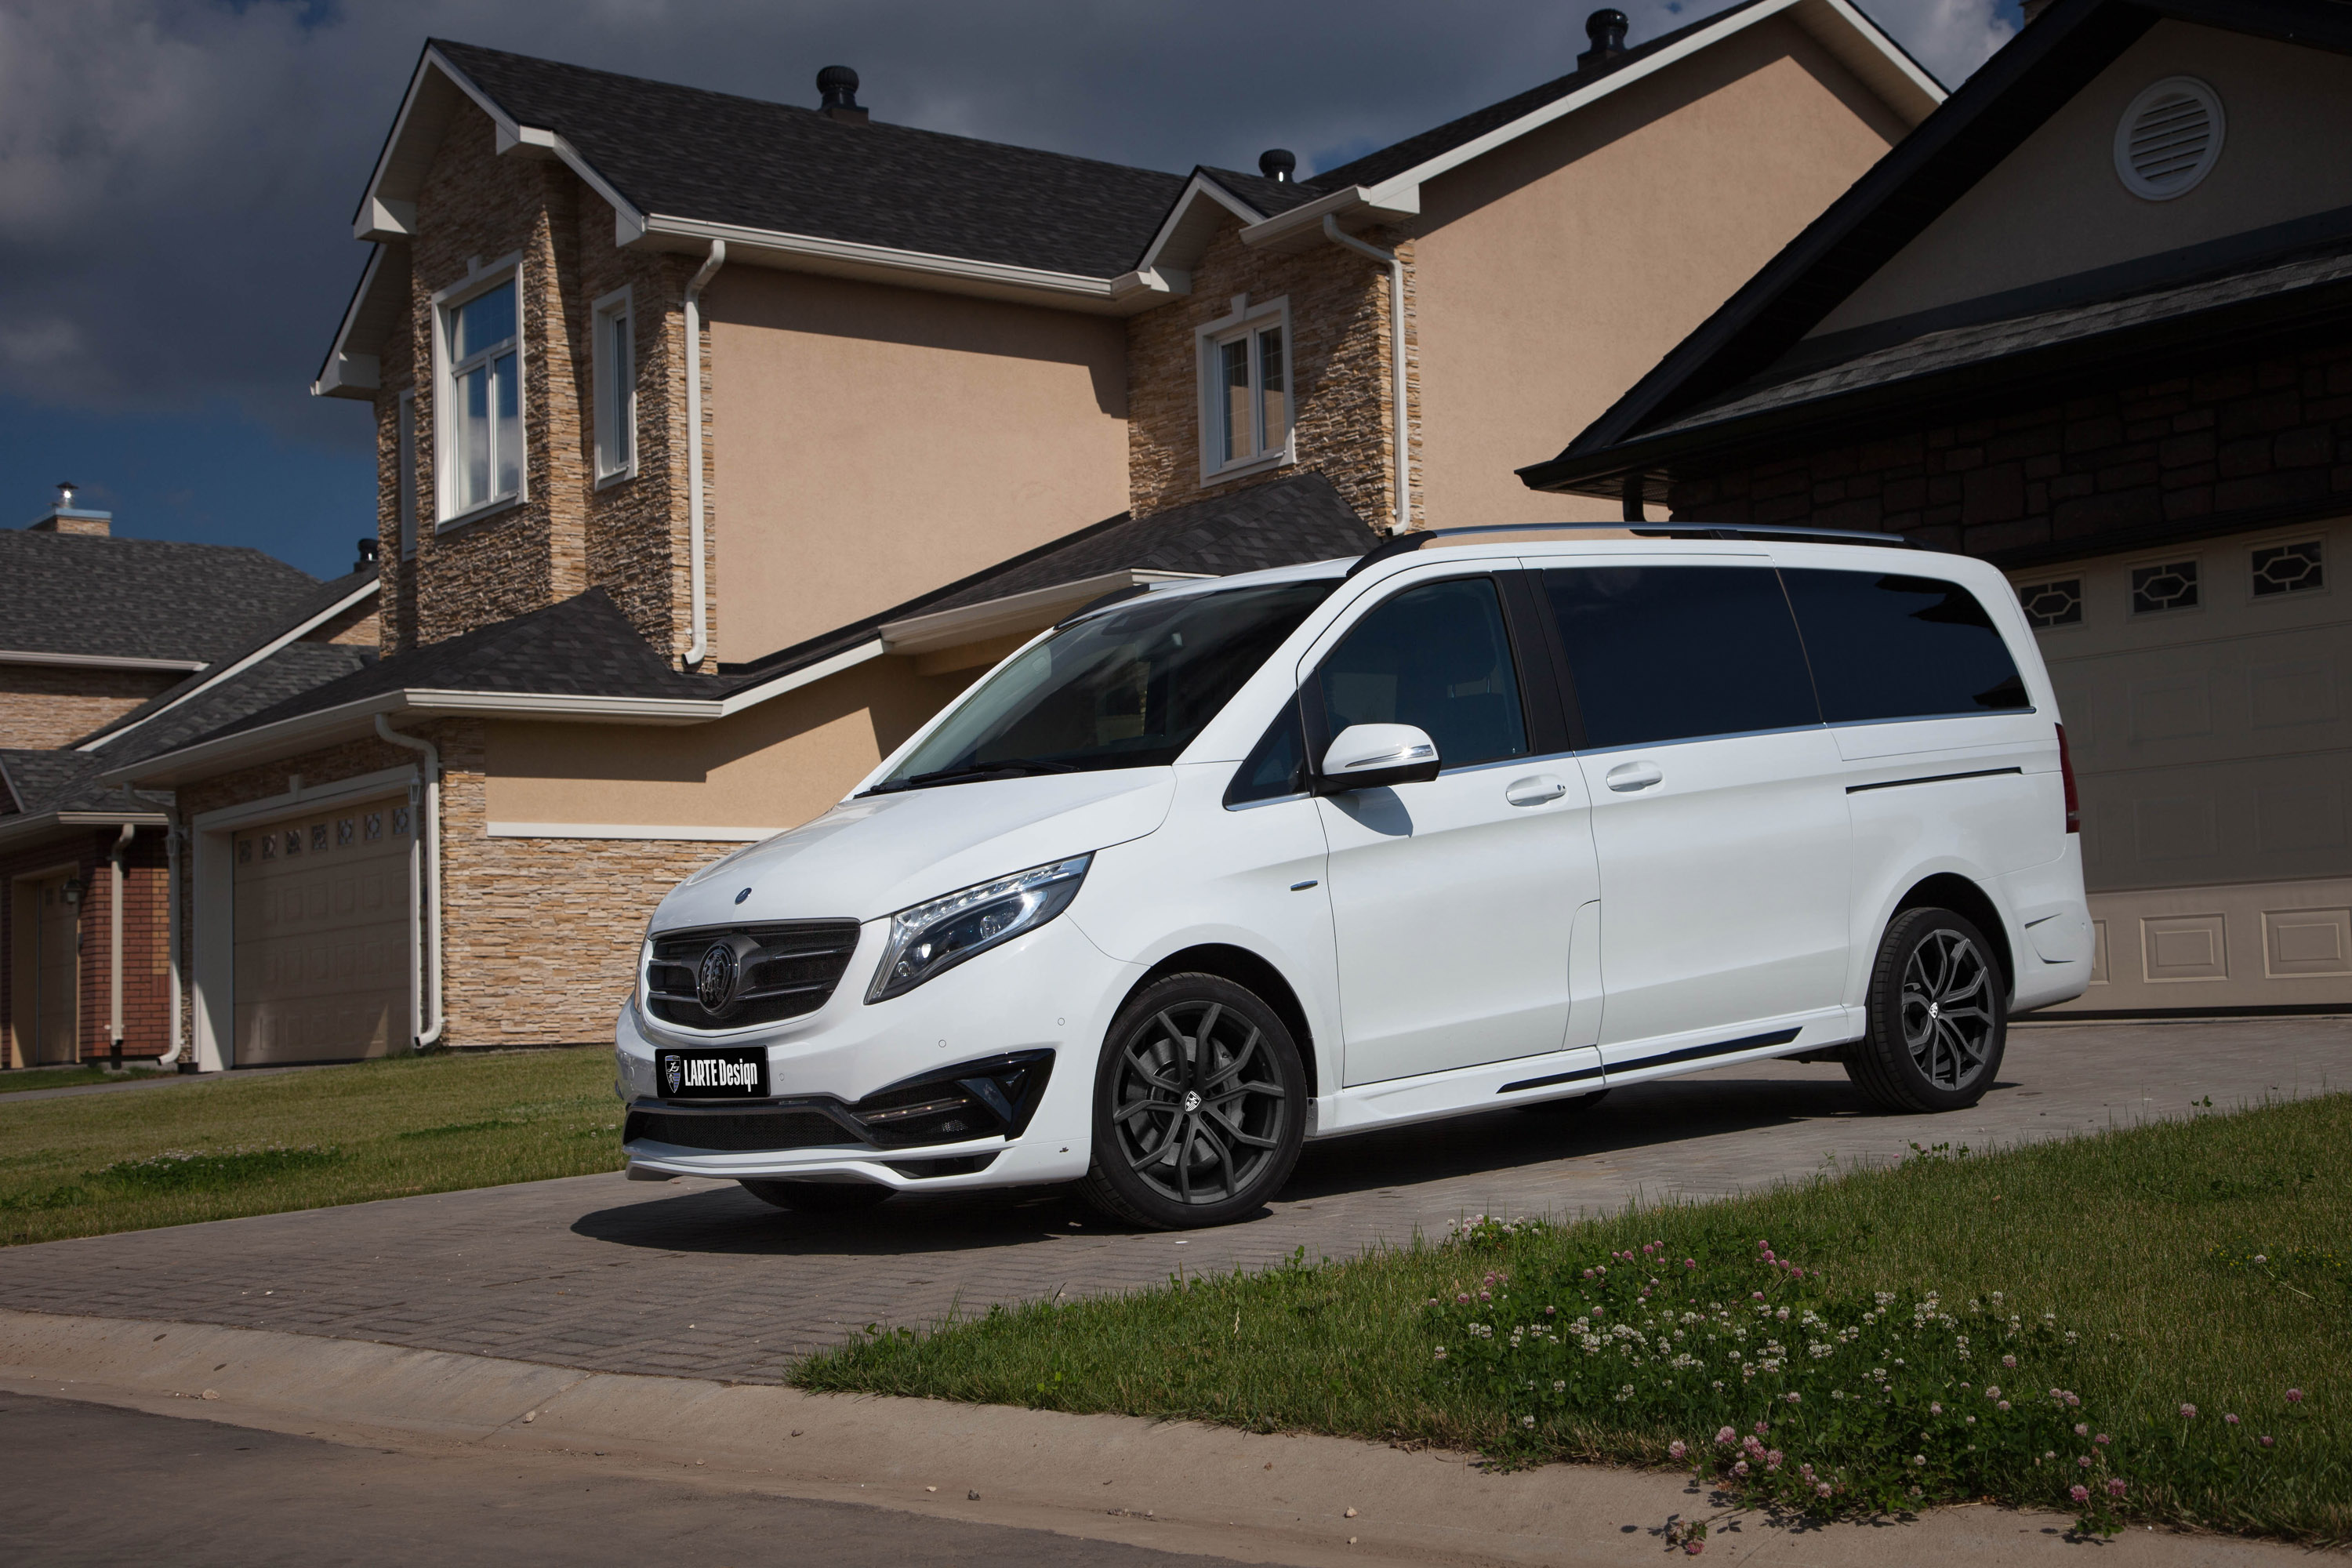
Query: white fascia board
(302, 730)
(1015, 612)
(1863, 48)
(38, 822)
(98, 661)
(292, 633)
(1396, 200)
(1825, 16)
(343, 375)
(546, 705)
(1200, 188)
(808, 675)
(922, 269)
(649, 832)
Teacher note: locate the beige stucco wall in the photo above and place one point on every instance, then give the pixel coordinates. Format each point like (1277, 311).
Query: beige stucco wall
(773, 766)
(2055, 207)
(1555, 271)
(873, 443)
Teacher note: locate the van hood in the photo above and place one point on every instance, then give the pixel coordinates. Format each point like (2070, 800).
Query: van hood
(875, 855)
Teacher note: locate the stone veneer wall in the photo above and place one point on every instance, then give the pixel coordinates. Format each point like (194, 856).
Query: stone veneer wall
(43, 707)
(570, 531)
(1343, 391)
(2240, 444)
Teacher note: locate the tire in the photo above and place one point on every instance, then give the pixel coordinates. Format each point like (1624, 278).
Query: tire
(1938, 1016)
(817, 1197)
(1181, 1141)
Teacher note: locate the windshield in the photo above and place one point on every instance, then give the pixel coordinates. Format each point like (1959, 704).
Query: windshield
(1126, 689)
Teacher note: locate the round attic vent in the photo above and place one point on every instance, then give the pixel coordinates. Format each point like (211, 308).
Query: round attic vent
(2169, 139)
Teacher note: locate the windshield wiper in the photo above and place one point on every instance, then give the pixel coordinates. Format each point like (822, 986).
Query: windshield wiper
(970, 771)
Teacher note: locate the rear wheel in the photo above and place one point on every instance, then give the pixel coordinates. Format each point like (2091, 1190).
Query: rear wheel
(1200, 1106)
(1939, 1015)
(818, 1197)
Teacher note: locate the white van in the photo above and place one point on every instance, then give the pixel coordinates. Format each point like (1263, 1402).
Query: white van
(1485, 818)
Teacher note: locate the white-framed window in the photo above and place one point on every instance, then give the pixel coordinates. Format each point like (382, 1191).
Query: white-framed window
(477, 423)
(613, 371)
(405, 481)
(1246, 404)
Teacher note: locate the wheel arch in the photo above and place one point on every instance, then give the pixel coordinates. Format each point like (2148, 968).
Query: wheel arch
(1248, 969)
(1950, 890)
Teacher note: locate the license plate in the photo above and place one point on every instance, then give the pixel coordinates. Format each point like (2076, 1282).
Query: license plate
(712, 1075)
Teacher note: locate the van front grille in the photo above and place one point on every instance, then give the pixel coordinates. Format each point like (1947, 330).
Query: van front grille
(780, 972)
(749, 1132)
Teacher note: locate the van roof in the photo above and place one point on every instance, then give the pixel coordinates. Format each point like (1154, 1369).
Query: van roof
(1539, 532)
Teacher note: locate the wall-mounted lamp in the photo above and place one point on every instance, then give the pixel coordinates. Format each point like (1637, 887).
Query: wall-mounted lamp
(73, 889)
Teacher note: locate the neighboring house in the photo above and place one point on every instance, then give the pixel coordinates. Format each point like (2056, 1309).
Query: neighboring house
(117, 648)
(2093, 322)
(723, 441)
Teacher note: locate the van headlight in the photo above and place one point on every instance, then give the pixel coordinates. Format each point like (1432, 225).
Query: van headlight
(931, 938)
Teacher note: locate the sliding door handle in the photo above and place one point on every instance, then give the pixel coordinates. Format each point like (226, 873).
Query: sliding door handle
(1628, 776)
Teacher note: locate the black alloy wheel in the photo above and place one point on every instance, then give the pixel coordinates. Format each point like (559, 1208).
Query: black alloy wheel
(1939, 1015)
(1200, 1106)
(817, 1197)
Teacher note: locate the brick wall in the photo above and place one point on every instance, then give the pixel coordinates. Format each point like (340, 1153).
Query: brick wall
(45, 705)
(1343, 389)
(2233, 446)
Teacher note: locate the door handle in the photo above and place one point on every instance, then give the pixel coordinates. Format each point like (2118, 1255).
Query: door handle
(1535, 789)
(1627, 776)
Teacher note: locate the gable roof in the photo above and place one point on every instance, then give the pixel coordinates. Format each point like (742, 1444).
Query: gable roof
(1744, 364)
(125, 602)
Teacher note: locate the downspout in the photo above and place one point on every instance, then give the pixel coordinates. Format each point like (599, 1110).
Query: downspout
(699, 643)
(1331, 231)
(171, 916)
(114, 944)
(425, 882)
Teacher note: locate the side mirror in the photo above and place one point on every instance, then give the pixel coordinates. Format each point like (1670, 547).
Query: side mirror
(1371, 756)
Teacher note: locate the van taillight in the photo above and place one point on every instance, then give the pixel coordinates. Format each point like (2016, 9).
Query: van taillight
(2066, 772)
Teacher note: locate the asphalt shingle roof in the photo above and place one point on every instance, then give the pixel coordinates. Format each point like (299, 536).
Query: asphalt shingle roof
(684, 152)
(139, 598)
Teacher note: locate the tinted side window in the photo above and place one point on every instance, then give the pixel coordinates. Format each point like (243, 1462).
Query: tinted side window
(1437, 657)
(1901, 647)
(1668, 653)
(1276, 765)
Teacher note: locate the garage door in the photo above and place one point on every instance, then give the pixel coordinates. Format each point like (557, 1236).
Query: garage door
(2205, 691)
(321, 937)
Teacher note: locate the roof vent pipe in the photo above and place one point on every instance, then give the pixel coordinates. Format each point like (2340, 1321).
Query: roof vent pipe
(1278, 164)
(1606, 28)
(837, 88)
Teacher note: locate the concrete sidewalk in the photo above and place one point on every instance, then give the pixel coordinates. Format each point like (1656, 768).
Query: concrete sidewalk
(1172, 1486)
(699, 1280)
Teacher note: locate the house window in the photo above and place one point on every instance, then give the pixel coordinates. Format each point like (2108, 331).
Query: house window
(2286, 568)
(1245, 383)
(406, 478)
(2171, 586)
(615, 373)
(481, 396)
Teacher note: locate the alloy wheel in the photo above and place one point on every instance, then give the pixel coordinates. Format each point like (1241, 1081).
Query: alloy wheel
(1948, 1019)
(1198, 1103)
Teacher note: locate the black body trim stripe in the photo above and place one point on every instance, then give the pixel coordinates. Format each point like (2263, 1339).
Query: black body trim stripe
(1686, 1053)
(1932, 778)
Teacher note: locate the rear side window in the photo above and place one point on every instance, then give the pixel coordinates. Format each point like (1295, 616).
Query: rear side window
(1435, 657)
(1901, 647)
(1672, 653)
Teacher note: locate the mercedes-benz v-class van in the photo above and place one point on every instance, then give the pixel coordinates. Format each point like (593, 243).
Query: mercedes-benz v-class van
(1484, 818)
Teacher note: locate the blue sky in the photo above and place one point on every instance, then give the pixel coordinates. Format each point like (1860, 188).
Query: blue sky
(177, 178)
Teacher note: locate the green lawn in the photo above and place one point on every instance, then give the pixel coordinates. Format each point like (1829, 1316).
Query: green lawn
(92, 1163)
(16, 1080)
(2198, 1264)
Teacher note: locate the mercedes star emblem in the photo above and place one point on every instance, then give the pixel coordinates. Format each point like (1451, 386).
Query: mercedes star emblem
(714, 978)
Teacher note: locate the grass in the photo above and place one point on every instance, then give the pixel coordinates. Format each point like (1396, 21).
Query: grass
(2200, 1262)
(16, 1080)
(94, 1164)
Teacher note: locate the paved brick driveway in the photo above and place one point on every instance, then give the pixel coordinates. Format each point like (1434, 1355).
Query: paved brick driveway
(698, 1278)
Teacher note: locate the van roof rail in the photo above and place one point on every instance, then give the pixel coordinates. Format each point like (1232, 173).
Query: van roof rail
(1406, 543)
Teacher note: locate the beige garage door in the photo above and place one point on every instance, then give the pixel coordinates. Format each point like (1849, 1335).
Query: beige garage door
(322, 933)
(2205, 689)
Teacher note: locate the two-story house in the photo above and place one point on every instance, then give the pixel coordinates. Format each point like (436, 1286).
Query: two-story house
(111, 648)
(2091, 323)
(723, 441)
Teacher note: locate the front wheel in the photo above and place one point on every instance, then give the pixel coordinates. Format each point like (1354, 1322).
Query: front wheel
(1200, 1106)
(1938, 1013)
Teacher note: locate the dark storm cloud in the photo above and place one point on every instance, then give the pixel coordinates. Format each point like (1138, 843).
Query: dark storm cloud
(176, 179)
